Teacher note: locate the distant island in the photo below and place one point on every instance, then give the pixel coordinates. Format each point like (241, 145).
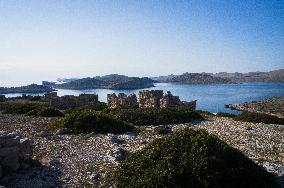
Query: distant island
(223, 77)
(271, 76)
(113, 81)
(120, 82)
(33, 88)
(195, 78)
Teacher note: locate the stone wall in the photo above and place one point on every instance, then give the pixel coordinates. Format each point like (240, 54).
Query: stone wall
(121, 100)
(150, 99)
(71, 101)
(168, 100)
(2, 98)
(14, 152)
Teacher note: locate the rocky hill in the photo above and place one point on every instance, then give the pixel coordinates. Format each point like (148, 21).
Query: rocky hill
(223, 77)
(112, 81)
(33, 88)
(272, 76)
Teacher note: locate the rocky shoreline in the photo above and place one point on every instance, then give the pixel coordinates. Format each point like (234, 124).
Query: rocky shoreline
(89, 159)
(273, 106)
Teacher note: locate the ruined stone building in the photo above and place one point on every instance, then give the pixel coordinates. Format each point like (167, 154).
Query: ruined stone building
(168, 100)
(149, 99)
(71, 101)
(2, 98)
(121, 100)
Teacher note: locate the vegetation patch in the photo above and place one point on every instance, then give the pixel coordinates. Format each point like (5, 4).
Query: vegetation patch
(191, 158)
(87, 120)
(46, 112)
(31, 109)
(153, 116)
(259, 118)
(21, 107)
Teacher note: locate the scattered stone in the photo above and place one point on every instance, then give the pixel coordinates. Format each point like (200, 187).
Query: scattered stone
(118, 155)
(162, 130)
(129, 135)
(114, 139)
(61, 131)
(94, 177)
(45, 133)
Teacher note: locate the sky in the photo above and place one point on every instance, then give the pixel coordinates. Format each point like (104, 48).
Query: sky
(45, 40)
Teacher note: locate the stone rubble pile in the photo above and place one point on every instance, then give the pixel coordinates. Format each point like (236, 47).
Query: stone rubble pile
(14, 152)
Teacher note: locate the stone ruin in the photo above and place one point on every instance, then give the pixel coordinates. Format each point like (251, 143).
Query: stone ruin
(149, 99)
(121, 100)
(170, 101)
(14, 152)
(71, 101)
(2, 98)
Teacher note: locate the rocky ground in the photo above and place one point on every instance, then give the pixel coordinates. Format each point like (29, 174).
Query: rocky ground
(273, 106)
(88, 159)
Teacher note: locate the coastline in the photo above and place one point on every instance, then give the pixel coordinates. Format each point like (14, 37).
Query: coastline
(273, 106)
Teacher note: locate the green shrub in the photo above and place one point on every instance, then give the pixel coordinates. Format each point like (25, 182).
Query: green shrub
(86, 121)
(259, 118)
(45, 112)
(203, 112)
(190, 158)
(20, 108)
(153, 116)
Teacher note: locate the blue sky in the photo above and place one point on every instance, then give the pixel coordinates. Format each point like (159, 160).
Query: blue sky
(44, 40)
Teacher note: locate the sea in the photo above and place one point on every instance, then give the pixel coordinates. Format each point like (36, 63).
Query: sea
(211, 97)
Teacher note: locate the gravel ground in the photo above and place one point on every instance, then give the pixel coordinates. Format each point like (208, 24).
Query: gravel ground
(88, 159)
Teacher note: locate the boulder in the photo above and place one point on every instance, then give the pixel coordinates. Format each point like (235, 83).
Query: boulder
(25, 149)
(13, 152)
(10, 158)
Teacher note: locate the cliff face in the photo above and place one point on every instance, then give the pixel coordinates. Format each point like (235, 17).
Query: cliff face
(108, 82)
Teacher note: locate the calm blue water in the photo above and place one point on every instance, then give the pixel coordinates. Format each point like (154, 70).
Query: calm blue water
(209, 97)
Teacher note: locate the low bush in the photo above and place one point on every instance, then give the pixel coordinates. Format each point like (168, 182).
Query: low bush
(86, 121)
(20, 108)
(259, 118)
(191, 158)
(46, 112)
(31, 109)
(153, 116)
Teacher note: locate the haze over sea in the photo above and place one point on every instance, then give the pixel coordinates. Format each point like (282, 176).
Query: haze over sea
(211, 98)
